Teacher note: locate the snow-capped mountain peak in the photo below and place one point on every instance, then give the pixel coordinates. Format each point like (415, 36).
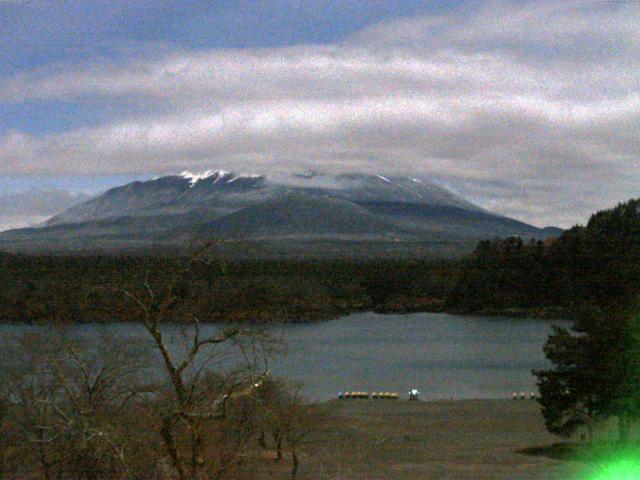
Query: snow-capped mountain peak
(222, 204)
(218, 176)
(196, 177)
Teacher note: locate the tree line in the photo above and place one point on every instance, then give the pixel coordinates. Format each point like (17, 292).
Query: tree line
(592, 265)
(595, 265)
(591, 275)
(48, 288)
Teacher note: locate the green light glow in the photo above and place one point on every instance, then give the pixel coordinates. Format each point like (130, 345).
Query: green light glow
(623, 469)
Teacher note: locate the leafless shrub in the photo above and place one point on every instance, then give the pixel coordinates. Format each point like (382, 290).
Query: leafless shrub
(287, 419)
(66, 406)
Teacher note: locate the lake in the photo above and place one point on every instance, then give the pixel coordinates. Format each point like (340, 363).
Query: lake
(442, 355)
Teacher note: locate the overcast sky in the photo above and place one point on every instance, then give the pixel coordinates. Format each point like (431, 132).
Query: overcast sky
(531, 109)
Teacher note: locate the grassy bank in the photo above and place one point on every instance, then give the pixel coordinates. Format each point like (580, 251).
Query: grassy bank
(476, 439)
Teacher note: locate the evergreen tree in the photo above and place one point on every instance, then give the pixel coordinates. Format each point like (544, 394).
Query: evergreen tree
(596, 367)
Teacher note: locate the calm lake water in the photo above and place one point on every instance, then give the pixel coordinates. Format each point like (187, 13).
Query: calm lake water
(444, 356)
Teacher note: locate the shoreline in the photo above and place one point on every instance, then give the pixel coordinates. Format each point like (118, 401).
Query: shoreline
(266, 317)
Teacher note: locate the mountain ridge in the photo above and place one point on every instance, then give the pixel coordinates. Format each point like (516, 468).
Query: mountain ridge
(173, 210)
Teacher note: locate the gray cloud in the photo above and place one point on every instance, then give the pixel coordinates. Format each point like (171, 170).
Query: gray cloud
(530, 109)
(35, 202)
(30, 207)
(9, 222)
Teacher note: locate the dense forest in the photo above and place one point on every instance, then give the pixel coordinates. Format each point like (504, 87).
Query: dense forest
(81, 288)
(595, 264)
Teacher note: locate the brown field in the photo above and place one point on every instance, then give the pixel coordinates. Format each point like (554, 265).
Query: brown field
(458, 440)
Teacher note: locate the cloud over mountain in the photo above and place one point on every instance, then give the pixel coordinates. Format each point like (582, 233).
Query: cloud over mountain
(524, 107)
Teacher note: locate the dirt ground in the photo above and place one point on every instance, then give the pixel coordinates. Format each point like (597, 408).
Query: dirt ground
(458, 440)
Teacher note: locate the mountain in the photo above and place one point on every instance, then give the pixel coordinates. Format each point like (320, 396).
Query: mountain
(298, 214)
(215, 190)
(310, 213)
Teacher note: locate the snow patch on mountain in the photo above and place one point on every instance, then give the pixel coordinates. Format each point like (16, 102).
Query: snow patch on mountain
(244, 175)
(196, 177)
(218, 176)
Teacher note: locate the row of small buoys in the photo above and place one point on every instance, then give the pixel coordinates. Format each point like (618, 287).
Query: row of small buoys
(386, 395)
(353, 395)
(382, 395)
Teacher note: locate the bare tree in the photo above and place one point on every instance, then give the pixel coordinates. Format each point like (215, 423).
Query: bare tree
(67, 403)
(271, 398)
(193, 403)
(287, 418)
(301, 420)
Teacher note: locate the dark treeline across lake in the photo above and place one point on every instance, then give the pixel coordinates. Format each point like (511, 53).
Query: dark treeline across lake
(78, 288)
(595, 266)
(445, 356)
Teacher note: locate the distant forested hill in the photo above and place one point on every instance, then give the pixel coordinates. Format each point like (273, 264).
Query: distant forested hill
(596, 264)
